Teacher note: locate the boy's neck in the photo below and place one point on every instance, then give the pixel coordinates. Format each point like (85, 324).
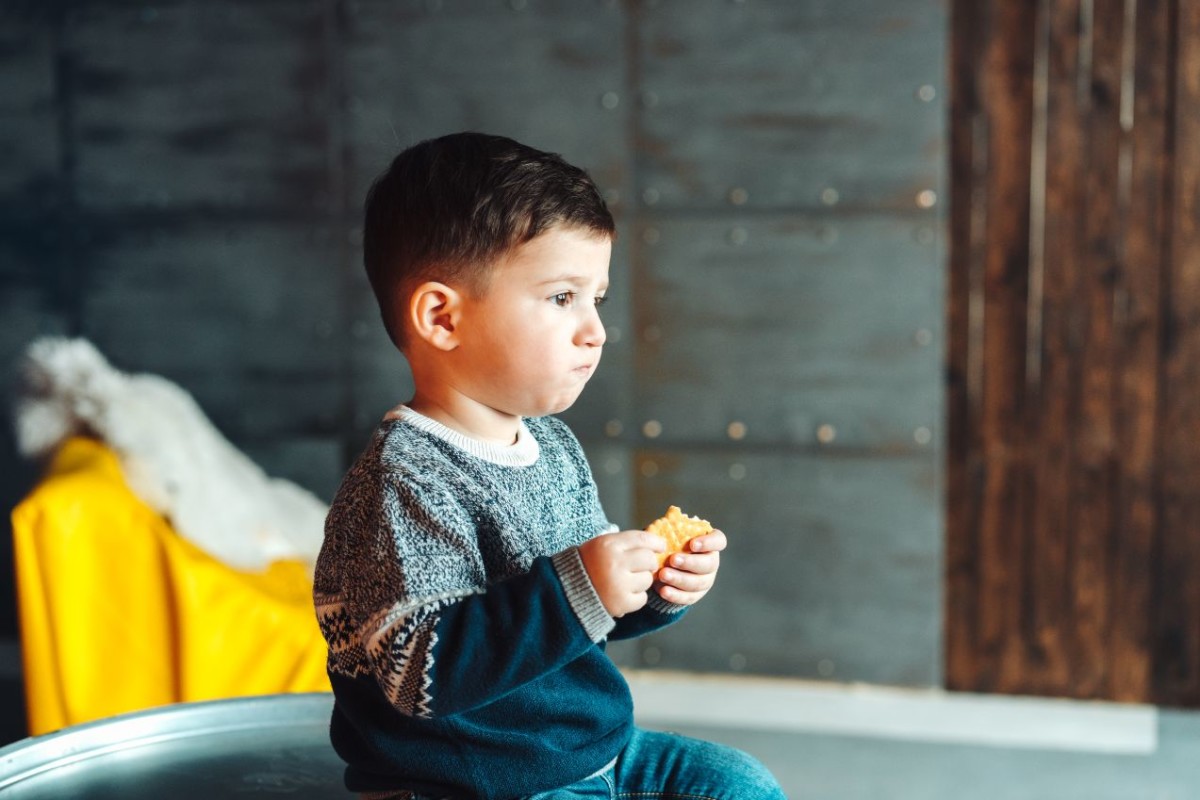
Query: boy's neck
(468, 417)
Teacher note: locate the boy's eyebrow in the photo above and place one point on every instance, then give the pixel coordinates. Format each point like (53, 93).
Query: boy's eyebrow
(577, 280)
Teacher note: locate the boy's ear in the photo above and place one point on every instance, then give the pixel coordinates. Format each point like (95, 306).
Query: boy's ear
(433, 312)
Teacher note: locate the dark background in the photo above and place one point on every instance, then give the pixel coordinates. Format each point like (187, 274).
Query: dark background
(181, 183)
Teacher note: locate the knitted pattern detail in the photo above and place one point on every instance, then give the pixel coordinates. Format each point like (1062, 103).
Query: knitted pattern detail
(419, 524)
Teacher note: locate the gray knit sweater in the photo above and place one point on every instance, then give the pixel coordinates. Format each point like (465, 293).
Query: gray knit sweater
(465, 637)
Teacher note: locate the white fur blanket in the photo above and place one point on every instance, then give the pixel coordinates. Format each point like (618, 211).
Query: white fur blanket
(172, 456)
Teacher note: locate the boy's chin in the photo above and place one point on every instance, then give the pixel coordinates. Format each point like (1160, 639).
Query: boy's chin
(555, 407)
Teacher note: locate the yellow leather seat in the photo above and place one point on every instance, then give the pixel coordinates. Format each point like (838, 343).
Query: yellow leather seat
(119, 613)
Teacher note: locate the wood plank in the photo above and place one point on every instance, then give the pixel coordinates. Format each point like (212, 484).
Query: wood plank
(963, 467)
(776, 105)
(1177, 669)
(1139, 314)
(218, 105)
(1008, 98)
(832, 570)
(1093, 476)
(1054, 396)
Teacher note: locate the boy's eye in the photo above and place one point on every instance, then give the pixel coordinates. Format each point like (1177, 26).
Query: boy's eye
(563, 298)
(601, 300)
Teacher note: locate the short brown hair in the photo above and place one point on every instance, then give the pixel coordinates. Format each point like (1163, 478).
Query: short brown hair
(448, 208)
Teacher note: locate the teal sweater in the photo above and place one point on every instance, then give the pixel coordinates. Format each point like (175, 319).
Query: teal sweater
(465, 637)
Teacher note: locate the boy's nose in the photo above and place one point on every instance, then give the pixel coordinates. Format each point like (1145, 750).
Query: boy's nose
(591, 331)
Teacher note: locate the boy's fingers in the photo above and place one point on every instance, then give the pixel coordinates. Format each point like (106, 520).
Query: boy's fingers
(696, 563)
(713, 542)
(653, 541)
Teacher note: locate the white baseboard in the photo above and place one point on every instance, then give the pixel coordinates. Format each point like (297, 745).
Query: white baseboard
(768, 704)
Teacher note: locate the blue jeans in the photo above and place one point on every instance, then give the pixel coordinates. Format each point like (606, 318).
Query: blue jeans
(667, 766)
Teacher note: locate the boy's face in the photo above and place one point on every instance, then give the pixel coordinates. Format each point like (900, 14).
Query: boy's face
(529, 343)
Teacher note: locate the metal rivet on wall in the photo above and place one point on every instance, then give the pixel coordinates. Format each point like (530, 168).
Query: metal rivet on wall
(922, 435)
(612, 196)
(612, 466)
(652, 429)
(738, 196)
(359, 329)
(652, 333)
(610, 100)
(825, 667)
(736, 430)
(612, 334)
(826, 433)
(650, 235)
(923, 337)
(737, 662)
(926, 93)
(651, 655)
(927, 198)
(738, 235)
(613, 428)
(737, 471)
(827, 234)
(650, 196)
(649, 469)
(648, 99)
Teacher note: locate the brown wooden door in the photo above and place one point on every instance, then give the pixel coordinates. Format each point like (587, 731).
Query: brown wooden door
(1073, 471)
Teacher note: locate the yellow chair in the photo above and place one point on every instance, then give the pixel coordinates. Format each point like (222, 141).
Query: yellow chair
(119, 613)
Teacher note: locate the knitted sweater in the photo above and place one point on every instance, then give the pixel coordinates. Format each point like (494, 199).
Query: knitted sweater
(465, 637)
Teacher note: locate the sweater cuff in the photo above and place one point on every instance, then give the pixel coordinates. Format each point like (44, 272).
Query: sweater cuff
(656, 603)
(582, 595)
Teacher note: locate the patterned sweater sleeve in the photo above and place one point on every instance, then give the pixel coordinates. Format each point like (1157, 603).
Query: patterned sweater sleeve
(413, 608)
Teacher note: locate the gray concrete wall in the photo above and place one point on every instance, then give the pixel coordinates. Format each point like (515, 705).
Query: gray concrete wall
(181, 183)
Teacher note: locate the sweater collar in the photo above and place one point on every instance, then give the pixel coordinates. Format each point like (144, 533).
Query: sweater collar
(521, 453)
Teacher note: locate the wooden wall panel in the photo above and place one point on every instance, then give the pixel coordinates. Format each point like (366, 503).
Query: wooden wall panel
(830, 573)
(201, 105)
(790, 104)
(1072, 401)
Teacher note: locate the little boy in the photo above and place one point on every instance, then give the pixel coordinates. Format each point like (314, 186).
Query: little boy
(469, 578)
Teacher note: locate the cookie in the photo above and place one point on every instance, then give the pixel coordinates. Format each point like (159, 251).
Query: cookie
(678, 529)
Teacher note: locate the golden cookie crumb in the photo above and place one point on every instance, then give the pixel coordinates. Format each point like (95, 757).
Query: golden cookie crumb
(678, 529)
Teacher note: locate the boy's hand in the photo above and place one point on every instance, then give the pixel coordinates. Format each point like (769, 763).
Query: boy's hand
(621, 566)
(688, 576)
